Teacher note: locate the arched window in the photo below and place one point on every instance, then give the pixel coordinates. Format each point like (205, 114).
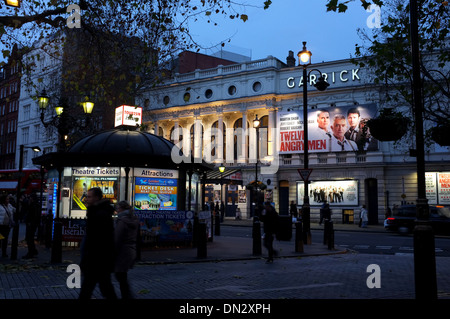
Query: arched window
(264, 136)
(238, 138)
(180, 135)
(214, 131)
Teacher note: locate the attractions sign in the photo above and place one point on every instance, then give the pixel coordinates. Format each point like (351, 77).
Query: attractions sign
(332, 129)
(155, 189)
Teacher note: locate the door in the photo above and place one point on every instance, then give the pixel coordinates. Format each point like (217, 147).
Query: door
(371, 199)
(284, 198)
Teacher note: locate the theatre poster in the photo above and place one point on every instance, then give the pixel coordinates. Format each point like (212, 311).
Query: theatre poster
(336, 193)
(84, 178)
(321, 137)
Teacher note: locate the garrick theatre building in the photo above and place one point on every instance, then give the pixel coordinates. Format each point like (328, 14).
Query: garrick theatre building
(210, 113)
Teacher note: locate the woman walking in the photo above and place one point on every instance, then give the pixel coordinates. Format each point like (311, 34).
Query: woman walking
(125, 237)
(6, 221)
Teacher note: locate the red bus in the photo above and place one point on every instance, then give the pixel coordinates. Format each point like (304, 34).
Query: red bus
(31, 181)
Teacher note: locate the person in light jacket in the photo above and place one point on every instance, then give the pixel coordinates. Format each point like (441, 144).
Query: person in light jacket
(125, 238)
(364, 216)
(6, 221)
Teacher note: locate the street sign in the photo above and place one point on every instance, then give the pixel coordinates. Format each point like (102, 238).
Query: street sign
(305, 173)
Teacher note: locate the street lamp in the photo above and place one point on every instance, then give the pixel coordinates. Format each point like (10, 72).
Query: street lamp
(424, 247)
(221, 170)
(88, 106)
(256, 125)
(13, 3)
(15, 235)
(304, 59)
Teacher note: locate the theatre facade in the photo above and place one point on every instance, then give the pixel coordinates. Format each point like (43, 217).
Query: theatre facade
(209, 114)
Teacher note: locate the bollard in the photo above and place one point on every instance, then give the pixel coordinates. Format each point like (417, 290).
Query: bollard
(330, 235)
(256, 234)
(56, 253)
(325, 231)
(217, 226)
(195, 232)
(138, 244)
(298, 237)
(201, 242)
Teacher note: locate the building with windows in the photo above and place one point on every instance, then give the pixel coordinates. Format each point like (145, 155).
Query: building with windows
(209, 113)
(9, 105)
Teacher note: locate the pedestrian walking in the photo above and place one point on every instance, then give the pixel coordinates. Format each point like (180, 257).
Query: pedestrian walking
(97, 251)
(32, 220)
(7, 212)
(125, 238)
(222, 211)
(269, 217)
(325, 213)
(364, 218)
(293, 211)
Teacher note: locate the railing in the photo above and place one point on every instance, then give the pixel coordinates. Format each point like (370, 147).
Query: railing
(228, 69)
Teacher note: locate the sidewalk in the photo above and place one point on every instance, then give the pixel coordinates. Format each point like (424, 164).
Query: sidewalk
(222, 248)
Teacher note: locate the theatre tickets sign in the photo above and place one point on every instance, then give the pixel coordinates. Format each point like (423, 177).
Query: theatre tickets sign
(332, 129)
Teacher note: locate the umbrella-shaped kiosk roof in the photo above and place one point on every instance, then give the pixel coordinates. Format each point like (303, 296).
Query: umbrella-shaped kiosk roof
(122, 148)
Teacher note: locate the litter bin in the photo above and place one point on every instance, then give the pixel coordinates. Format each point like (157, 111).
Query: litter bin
(284, 232)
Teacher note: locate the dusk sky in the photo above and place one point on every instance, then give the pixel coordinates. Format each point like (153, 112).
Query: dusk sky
(284, 26)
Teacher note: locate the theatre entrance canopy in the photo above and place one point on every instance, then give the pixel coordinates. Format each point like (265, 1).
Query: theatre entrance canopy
(146, 170)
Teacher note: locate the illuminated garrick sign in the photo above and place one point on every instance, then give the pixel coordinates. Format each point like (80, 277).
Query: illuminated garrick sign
(330, 77)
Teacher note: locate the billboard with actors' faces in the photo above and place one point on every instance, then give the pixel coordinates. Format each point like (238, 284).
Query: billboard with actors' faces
(333, 129)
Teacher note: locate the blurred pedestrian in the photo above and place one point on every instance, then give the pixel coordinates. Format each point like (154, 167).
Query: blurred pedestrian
(97, 250)
(364, 216)
(7, 212)
(325, 213)
(222, 211)
(32, 220)
(269, 217)
(293, 211)
(125, 238)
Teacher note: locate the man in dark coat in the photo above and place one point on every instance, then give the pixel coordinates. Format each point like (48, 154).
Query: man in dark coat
(97, 251)
(32, 219)
(269, 217)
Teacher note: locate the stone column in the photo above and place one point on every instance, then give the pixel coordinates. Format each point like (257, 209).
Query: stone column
(219, 139)
(198, 137)
(243, 141)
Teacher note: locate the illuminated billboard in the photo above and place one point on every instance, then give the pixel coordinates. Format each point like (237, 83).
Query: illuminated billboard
(332, 129)
(128, 115)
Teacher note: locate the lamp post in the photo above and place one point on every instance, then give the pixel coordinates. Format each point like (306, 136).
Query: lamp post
(256, 125)
(15, 235)
(304, 58)
(222, 191)
(424, 249)
(13, 3)
(62, 122)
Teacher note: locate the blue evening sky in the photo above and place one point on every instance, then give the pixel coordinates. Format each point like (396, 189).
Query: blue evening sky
(284, 26)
